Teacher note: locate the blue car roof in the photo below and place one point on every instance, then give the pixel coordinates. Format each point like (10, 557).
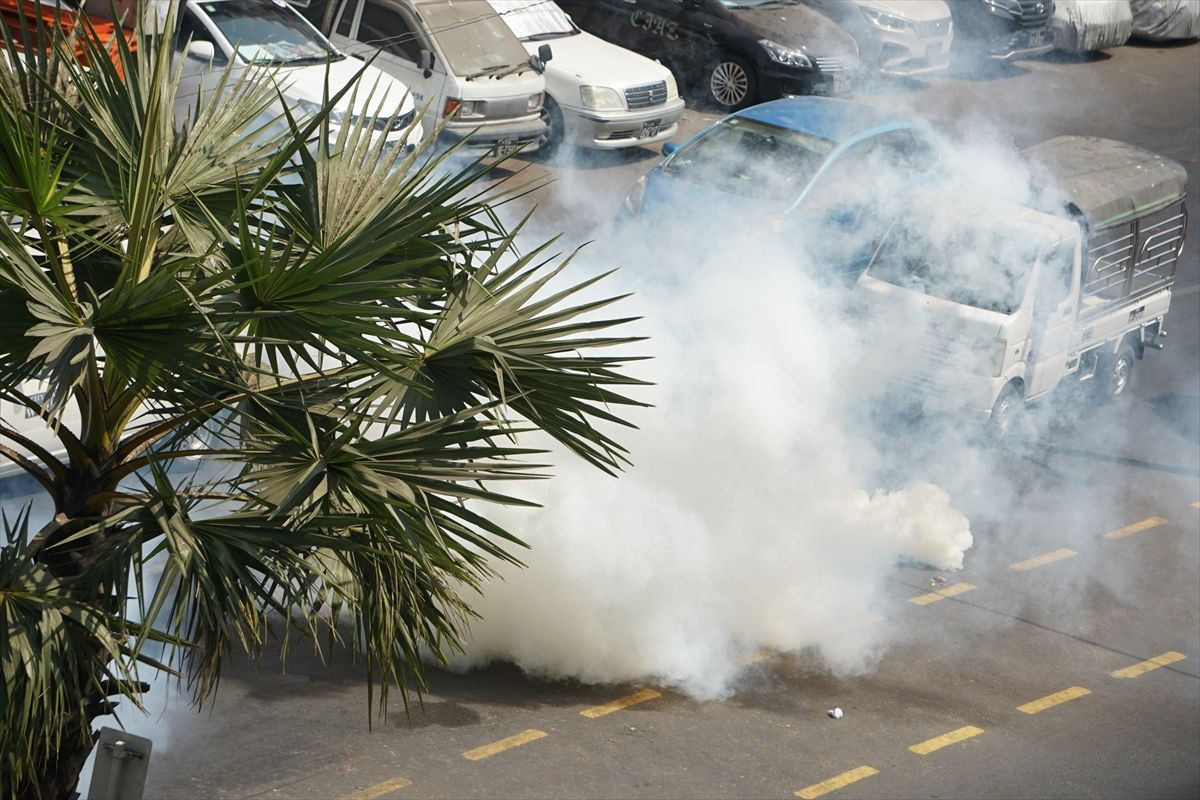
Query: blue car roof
(827, 117)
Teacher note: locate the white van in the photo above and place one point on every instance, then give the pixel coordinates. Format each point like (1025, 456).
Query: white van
(465, 67)
(599, 95)
(210, 36)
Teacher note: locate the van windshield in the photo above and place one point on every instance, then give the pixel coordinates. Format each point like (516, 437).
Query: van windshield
(263, 32)
(986, 267)
(473, 38)
(752, 159)
(532, 20)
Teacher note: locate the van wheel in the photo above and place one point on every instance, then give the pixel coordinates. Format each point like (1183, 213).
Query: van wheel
(1115, 375)
(731, 83)
(1005, 413)
(552, 116)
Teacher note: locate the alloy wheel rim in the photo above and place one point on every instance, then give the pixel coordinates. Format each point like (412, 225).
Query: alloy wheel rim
(729, 83)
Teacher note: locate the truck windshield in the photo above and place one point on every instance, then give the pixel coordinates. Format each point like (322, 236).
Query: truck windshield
(983, 267)
(263, 32)
(532, 20)
(472, 37)
(751, 159)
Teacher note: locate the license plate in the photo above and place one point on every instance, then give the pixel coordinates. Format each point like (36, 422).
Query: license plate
(650, 129)
(841, 83)
(1034, 38)
(505, 146)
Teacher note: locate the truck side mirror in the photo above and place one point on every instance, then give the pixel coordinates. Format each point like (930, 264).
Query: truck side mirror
(425, 62)
(545, 53)
(201, 50)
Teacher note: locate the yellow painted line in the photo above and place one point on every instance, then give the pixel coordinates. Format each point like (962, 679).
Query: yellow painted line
(1137, 527)
(489, 750)
(624, 702)
(1042, 560)
(945, 740)
(753, 658)
(1051, 700)
(378, 790)
(836, 782)
(1142, 667)
(941, 594)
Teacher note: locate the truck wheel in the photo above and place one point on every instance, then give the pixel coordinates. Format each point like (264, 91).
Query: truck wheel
(1115, 373)
(731, 83)
(1006, 411)
(552, 116)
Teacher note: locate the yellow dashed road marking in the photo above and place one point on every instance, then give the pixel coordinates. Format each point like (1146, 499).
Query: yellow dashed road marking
(753, 658)
(1137, 527)
(624, 702)
(378, 790)
(1042, 560)
(489, 750)
(938, 742)
(1142, 667)
(1051, 700)
(836, 782)
(941, 594)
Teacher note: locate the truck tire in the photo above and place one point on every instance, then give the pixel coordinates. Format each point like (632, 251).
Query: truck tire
(1115, 374)
(730, 84)
(1005, 413)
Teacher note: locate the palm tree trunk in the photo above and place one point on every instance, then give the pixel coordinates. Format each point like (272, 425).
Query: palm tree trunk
(61, 774)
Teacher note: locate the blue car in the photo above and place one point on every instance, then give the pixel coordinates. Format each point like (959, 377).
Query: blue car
(808, 169)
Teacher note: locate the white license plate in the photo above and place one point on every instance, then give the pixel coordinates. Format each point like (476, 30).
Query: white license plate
(1034, 38)
(841, 83)
(650, 129)
(505, 147)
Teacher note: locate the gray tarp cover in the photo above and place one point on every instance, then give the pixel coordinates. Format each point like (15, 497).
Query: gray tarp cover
(1160, 20)
(1106, 180)
(1080, 26)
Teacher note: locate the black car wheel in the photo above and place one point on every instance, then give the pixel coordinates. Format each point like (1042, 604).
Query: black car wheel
(731, 83)
(552, 116)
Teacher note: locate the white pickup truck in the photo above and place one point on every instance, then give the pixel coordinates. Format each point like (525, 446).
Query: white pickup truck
(989, 306)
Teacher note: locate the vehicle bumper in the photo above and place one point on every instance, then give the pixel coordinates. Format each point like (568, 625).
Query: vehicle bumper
(496, 138)
(1021, 44)
(967, 396)
(810, 82)
(905, 53)
(616, 129)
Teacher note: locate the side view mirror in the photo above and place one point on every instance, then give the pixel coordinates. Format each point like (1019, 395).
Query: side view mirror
(669, 148)
(425, 62)
(545, 53)
(201, 50)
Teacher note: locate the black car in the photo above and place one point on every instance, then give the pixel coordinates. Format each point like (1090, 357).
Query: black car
(737, 52)
(1003, 30)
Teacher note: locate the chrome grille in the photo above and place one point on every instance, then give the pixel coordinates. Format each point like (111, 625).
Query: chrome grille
(646, 95)
(1035, 13)
(836, 63)
(932, 29)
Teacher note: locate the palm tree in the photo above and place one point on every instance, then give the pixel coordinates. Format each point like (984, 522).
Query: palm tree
(346, 337)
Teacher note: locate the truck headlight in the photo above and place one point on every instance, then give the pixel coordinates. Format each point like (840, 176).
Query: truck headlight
(600, 98)
(535, 102)
(672, 86)
(787, 56)
(633, 200)
(463, 109)
(997, 350)
(884, 20)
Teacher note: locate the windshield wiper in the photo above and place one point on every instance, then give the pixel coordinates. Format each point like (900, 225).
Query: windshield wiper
(330, 57)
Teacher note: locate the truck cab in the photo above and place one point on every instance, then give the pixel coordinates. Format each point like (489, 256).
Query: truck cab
(979, 306)
(465, 68)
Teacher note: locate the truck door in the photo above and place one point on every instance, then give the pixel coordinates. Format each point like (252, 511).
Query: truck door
(1055, 306)
(362, 26)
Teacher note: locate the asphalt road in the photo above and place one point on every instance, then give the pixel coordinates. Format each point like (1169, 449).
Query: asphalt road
(1062, 661)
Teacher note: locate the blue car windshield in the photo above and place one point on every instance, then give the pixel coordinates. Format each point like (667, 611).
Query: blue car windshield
(751, 159)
